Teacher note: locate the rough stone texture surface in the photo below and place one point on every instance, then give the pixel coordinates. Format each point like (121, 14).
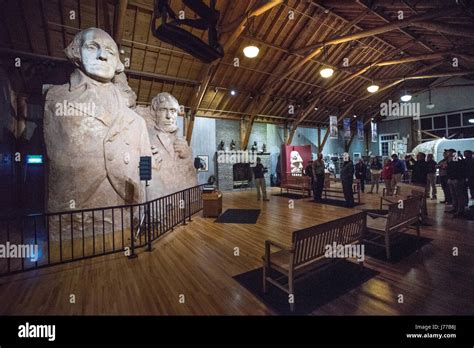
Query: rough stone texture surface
(227, 130)
(92, 155)
(171, 172)
(258, 134)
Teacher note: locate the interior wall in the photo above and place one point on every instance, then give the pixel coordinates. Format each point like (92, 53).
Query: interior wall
(400, 126)
(447, 99)
(204, 142)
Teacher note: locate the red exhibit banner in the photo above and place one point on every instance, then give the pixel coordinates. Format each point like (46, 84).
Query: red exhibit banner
(294, 158)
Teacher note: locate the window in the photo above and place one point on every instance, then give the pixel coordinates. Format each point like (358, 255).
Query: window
(466, 116)
(386, 143)
(439, 122)
(454, 120)
(426, 123)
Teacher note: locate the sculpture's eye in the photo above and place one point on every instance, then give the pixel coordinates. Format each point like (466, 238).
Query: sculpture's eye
(91, 47)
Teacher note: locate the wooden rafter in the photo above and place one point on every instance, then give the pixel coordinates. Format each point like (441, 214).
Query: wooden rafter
(121, 10)
(365, 33)
(208, 71)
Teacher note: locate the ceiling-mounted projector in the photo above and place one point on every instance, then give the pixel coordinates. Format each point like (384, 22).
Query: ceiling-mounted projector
(172, 33)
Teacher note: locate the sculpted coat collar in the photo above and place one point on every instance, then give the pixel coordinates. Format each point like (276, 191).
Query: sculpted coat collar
(166, 139)
(79, 79)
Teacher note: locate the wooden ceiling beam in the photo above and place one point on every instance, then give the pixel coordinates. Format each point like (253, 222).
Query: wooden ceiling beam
(120, 10)
(272, 82)
(405, 60)
(429, 76)
(447, 28)
(208, 71)
(347, 27)
(378, 95)
(368, 5)
(366, 33)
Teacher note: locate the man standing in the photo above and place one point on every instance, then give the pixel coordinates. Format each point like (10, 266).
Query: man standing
(443, 178)
(375, 171)
(308, 171)
(259, 172)
(469, 165)
(431, 177)
(347, 179)
(419, 178)
(318, 177)
(173, 165)
(361, 173)
(456, 178)
(398, 169)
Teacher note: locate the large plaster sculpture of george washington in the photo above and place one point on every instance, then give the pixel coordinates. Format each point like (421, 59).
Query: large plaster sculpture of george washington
(93, 139)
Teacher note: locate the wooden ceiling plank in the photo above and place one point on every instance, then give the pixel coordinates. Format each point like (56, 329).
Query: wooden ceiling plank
(120, 10)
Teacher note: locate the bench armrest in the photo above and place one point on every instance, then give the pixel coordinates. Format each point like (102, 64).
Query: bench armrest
(268, 244)
(278, 245)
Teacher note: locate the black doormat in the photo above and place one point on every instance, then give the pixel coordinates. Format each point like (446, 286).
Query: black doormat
(335, 202)
(312, 291)
(239, 216)
(403, 246)
(291, 195)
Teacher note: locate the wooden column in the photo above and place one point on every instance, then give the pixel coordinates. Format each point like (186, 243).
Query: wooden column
(319, 139)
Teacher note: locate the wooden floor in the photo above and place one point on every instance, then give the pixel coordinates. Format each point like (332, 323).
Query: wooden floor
(198, 261)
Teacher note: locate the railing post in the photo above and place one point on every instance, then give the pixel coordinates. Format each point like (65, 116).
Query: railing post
(148, 228)
(132, 236)
(184, 206)
(189, 203)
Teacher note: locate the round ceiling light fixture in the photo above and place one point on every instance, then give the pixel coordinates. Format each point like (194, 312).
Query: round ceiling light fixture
(373, 88)
(326, 72)
(430, 105)
(251, 51)
(233, 92)
(406, 97)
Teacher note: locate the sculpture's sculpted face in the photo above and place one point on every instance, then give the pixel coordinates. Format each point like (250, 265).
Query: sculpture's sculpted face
(166, 109)
(99, 55)
(296, 162)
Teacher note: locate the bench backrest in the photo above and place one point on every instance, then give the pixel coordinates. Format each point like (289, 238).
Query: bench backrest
(404, 213)
(295, 180)
(310, 243)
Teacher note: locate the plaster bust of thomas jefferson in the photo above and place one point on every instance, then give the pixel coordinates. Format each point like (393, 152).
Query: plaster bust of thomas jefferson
(173, 166)
(93, 156)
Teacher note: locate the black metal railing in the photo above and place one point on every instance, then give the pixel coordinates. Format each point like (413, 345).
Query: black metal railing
(42, 240)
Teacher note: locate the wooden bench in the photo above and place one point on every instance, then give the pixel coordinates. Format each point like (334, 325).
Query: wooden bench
(337, 192)
(404, 191)
(400, 216)
(296, 183)
(308, 248)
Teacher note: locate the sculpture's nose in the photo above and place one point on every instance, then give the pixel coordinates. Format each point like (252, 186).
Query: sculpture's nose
(102, 55)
